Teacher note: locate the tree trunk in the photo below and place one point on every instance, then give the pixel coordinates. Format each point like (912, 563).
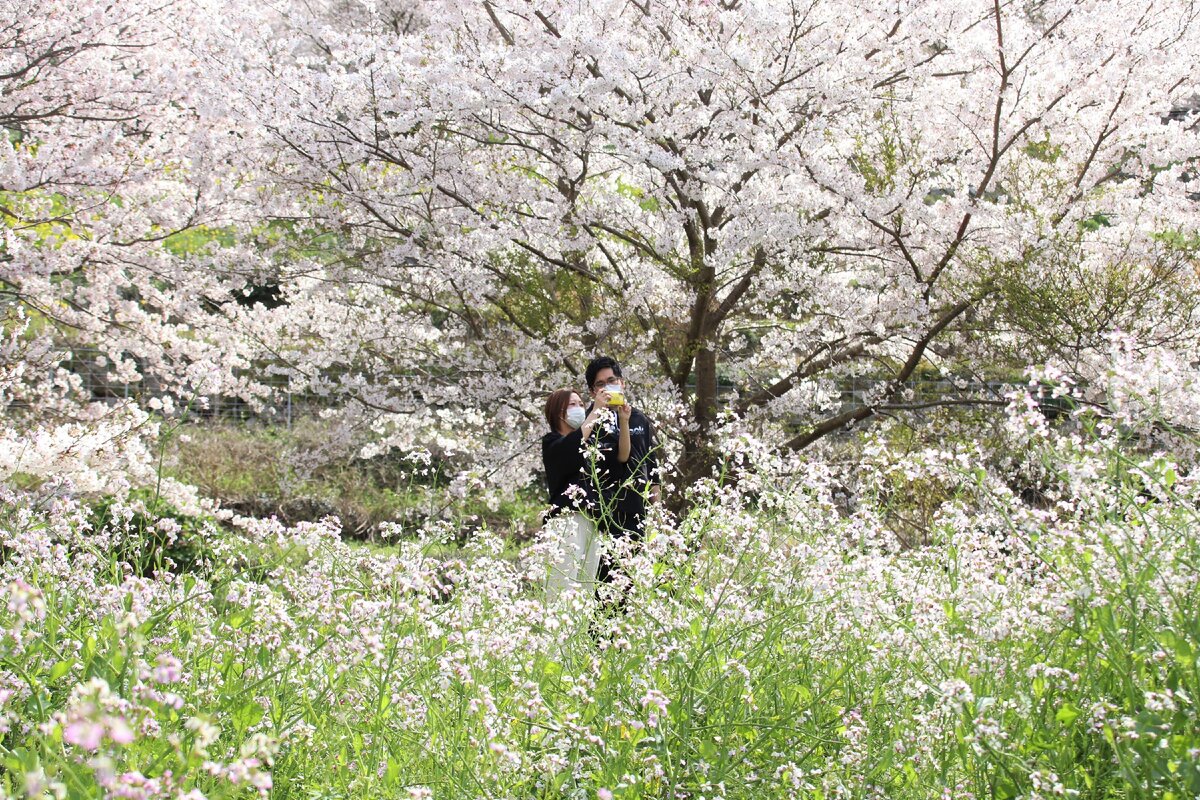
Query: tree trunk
(699, 457)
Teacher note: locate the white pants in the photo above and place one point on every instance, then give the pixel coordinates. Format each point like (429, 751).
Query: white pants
(574, 555)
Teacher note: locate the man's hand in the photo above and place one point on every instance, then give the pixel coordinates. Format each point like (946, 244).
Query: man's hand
(624, 412)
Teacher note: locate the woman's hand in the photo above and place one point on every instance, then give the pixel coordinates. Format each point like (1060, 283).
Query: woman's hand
(591, 420)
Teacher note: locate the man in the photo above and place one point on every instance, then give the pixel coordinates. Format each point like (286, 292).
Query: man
(624, 486)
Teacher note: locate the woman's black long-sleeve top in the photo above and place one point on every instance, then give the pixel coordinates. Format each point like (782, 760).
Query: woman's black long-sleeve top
(563, 460)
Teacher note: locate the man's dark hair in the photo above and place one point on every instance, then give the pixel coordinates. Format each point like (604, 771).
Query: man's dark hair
(598, 363)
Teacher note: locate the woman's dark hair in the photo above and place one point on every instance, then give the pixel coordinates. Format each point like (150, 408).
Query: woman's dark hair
(597, 364)
(556, 407)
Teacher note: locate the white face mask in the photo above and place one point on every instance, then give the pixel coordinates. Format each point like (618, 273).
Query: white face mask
(575, 416)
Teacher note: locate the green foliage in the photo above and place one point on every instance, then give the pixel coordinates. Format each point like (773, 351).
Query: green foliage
(150, 535)
(1043, 149)
(1065, 302)
(1095, 222)
(536, 300)
(43, 217)
(254, 470)
(644, 200)
(194, 241)
(880, 155)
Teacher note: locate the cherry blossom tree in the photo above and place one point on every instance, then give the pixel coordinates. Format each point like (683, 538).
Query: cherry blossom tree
(774, 194)
(125, 204)
(451, 205)
(132, 230)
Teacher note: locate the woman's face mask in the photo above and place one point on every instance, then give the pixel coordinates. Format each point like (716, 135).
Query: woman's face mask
(575, 416)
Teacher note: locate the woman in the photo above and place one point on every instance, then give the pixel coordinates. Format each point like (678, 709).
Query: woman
(572, 490)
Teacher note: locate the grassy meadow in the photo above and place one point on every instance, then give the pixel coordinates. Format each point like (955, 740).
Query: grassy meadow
(773, 642)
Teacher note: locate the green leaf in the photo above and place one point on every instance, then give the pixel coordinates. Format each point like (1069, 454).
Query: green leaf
(1184, 652)
(248, 714)
(58, 670)
(1067, 714)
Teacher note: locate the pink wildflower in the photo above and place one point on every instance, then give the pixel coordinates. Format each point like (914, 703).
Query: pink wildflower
(119, 731)
(84, 733)
(169, 669)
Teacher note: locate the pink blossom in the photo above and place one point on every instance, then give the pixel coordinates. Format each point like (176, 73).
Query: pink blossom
(84, 733)
(168, 670)
(119, 731)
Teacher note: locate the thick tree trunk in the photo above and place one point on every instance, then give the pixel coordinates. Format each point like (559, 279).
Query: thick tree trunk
(699, 457)
(705, 406)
